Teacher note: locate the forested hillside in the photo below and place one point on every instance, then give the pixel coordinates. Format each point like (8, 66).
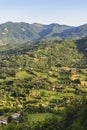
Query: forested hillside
(44, 78)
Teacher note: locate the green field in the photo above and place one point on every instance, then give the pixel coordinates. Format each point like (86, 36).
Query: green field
(22, 74)
(41, 117)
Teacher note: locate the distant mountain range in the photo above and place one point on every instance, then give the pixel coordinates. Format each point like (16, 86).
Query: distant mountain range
(23, 32)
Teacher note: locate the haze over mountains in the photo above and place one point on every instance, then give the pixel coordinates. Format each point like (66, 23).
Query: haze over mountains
(23, 32)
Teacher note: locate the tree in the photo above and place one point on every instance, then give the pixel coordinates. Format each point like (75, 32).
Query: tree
(10, 119)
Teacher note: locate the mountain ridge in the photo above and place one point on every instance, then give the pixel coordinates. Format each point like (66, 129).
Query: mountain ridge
(21, 32)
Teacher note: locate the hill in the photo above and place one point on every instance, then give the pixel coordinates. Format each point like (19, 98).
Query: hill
(41, 77)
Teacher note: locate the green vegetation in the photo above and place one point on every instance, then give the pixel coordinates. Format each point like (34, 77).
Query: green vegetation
(17, 33)
(42, 81)
(39, 117)
(73, 118)
(40, 75)
(22, 74)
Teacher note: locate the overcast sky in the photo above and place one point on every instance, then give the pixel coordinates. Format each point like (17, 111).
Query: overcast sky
(70, 12)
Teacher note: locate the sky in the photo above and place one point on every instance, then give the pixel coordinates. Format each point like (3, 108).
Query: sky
(69, 12)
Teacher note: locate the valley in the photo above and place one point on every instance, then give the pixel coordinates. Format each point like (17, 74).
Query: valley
(42, 78)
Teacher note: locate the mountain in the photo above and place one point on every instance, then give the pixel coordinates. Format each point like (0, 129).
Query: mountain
(23, 32)
(17, 32)
(75, 32)
(53, 30)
